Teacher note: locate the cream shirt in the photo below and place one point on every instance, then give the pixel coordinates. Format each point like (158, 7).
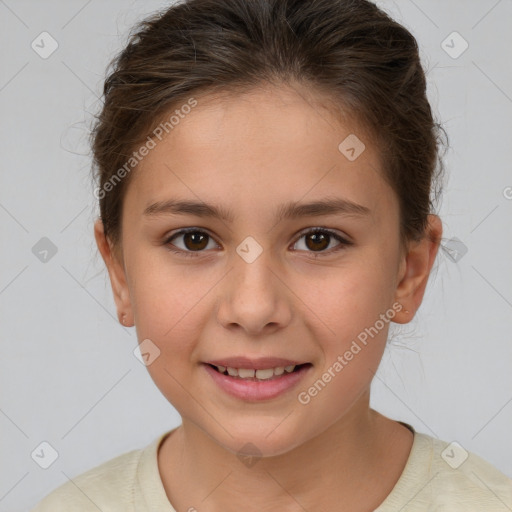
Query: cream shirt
(435, 478)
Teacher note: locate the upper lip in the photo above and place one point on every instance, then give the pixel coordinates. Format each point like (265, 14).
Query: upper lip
(256, 364)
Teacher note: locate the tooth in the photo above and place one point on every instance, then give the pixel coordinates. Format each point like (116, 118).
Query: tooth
(248, 373)
(265, 374)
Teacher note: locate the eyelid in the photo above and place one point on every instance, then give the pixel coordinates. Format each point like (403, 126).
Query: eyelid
(191, 229)
(312, 229)
(184, 231)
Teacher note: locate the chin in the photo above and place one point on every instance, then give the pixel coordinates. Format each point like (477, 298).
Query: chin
(250, 441)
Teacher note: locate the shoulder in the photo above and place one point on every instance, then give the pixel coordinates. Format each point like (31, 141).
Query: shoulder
(457, 477)
(105, 487)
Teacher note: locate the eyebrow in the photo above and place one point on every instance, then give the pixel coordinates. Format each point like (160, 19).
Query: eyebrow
(292, 209)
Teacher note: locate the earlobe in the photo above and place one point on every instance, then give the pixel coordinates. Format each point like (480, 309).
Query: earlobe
(415, 270)
(116, 274)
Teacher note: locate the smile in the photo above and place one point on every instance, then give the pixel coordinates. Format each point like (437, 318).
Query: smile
(250, 384)
(251, 373)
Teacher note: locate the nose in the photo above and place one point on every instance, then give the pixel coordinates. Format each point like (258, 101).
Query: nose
(254, 297)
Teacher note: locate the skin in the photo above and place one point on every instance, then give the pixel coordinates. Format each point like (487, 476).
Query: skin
(251, 153)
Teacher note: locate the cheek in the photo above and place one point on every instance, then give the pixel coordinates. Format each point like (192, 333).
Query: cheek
(349, 298)
(172, 304)
(353, 345)
(169, 311)
(351, 305)
(164, 296)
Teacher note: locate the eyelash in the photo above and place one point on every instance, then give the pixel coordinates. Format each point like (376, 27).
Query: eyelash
(342, 245)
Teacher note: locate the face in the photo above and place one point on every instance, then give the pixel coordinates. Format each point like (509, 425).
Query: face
(272, 277)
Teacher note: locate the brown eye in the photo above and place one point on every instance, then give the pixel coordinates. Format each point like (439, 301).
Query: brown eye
(188, 242)
(195, 241)
(318, 240)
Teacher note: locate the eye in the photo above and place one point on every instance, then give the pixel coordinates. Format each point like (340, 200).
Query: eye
(193, 241)
(319, 239)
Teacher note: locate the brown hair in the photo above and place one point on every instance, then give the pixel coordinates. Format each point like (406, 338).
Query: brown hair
(367, 63)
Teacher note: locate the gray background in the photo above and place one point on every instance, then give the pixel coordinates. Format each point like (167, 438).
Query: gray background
(68, 375)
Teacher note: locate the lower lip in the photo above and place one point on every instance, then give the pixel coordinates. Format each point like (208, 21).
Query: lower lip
(257, 390)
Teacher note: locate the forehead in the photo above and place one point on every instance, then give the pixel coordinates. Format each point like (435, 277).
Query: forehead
(263, 118)
(265, 145)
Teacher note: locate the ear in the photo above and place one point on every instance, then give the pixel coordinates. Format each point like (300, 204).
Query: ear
(415, 269)
(116, 273)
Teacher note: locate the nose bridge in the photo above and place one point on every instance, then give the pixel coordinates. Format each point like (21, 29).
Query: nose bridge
(254, 296)
(253, 269)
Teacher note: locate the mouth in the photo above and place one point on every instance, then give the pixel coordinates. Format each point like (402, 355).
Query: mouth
(256, 385)
(263, 374)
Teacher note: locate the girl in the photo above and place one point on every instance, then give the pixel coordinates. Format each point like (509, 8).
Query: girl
(266, 176)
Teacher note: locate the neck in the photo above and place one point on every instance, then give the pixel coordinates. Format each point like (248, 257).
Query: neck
(346, 464)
